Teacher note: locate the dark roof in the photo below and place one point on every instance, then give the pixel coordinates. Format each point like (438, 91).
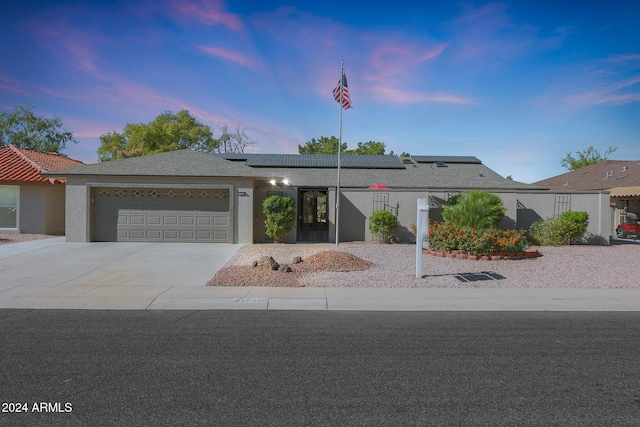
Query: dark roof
(187, 163)
(600, 176)
(316, 161)
(172, 163)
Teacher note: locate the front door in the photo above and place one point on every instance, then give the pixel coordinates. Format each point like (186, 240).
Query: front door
(312, 216)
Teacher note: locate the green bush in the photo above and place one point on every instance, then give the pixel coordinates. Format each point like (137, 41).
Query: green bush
(444, 237)
(281, 215)
(567, 229)
(477, 209)
(383, 224)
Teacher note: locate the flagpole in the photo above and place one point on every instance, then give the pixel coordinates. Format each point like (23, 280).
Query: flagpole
(337, 220)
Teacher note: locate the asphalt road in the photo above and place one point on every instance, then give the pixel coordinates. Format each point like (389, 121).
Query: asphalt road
(318, 368)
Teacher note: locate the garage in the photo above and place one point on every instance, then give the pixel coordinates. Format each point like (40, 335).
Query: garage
(129, 214)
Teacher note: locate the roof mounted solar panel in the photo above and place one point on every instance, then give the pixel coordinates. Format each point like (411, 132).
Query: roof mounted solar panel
(322, 161)
(447, 159)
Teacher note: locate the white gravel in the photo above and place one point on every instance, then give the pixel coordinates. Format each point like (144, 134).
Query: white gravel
(607, 267)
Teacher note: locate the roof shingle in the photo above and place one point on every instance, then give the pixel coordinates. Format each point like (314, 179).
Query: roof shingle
(600, 176)
(21, 165)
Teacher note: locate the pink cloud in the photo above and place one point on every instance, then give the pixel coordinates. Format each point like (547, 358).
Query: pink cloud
(12, 85)
(396, 58)
(238, 58)
(210, 12)
(68, 43)
(399, 96)
(608, 94)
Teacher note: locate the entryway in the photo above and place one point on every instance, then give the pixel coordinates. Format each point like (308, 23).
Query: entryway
(313, 225)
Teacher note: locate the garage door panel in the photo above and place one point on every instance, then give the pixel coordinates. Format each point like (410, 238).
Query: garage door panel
(161, 215)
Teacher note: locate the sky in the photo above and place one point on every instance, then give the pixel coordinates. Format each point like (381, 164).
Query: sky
(517, 84)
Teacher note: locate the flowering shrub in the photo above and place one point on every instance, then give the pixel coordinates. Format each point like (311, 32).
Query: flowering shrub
(445, 237)
(568, 228)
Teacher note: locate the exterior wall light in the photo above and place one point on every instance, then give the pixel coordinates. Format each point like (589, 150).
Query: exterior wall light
(273, 182)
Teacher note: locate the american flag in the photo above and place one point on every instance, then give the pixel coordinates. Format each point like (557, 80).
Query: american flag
(346, 101)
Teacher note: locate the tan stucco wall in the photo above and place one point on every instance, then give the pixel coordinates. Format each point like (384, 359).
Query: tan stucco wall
(42, 209)
(523, 208)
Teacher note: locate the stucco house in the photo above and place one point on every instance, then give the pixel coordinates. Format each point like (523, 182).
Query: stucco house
(188, 196)
(30, 203)
(620, 178)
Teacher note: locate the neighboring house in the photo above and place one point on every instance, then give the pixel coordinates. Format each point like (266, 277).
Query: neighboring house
(619, 177)
(30, 203)
(188, 196)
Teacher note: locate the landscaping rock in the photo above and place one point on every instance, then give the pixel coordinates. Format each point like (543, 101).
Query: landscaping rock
(284, 268)
(254, 264)
(297, 260)
(268, 263)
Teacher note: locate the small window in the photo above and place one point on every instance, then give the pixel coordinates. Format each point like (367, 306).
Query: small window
(8, 206)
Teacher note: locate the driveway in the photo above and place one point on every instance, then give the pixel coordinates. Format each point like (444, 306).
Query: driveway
(54, 268)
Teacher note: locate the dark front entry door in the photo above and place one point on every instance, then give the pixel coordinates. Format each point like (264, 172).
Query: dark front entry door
(312, 216)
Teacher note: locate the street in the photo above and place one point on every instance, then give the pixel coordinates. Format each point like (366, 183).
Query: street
(98, 367)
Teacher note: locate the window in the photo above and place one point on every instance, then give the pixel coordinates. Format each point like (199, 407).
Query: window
(8, 206)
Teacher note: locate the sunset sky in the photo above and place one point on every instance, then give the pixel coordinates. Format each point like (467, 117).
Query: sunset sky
(517, 84)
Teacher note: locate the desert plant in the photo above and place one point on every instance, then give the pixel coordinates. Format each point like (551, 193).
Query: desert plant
(383, 224)
(281, 215)
(566, 229)
(477, 209)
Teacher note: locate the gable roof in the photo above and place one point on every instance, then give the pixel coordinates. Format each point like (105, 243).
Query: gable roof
(21, 165)
(171, 163)
(462, 173)
(605, 175)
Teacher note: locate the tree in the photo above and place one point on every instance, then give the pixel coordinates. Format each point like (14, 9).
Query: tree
(323, 145)
(586, 157)
(280, 212)
(234, 140)
(329, 145)
(167, 132)
(371, 147)
(22, 128)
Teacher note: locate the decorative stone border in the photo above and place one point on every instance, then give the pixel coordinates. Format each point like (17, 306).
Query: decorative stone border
(531, 252)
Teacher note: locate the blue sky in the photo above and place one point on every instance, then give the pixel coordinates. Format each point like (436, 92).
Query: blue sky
(517, 84)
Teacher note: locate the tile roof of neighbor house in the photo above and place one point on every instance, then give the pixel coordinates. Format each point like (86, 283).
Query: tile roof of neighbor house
(605, 175)
(21, 165)
(456, 174)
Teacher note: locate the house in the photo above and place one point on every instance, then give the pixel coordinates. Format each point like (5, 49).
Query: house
(30, 203)
(621, 178)
(188, 196)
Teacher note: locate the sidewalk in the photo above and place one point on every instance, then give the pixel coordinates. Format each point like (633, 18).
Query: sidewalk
(52, 274)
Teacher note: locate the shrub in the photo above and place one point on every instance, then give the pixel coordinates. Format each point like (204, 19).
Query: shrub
(567, 229)
(281, 215)
(444, 237)
(477, 209)
(383, 224)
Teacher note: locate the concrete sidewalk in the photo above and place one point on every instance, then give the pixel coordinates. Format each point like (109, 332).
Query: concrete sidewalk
(52, 274)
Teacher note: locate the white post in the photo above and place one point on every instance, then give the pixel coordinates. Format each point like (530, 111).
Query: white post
(422, 232)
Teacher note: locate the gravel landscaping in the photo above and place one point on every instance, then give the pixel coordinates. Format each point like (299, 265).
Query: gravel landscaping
(393, 265)
(6, 238)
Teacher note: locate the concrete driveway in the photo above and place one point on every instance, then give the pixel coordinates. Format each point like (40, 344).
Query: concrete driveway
(52, 268)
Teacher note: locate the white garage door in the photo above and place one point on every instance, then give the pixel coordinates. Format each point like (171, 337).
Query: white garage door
(161, 215)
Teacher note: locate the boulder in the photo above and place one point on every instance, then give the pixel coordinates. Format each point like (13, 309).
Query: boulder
(297, 260)
(284, 268)
(268, 263)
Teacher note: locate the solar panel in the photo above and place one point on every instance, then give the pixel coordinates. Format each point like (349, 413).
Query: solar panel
(447, 159)
(323, 161)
